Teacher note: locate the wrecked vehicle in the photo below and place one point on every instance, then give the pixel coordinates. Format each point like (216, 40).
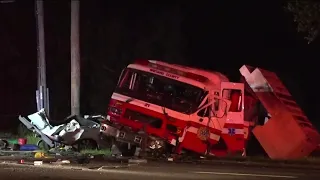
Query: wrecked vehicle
(184, 109)
(74, 131)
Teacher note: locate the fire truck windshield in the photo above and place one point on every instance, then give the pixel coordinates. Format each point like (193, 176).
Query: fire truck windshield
(159, 90)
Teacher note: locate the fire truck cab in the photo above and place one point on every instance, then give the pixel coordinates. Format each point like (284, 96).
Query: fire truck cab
(186, 108)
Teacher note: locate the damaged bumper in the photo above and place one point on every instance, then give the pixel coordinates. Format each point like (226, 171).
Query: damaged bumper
(121, 135)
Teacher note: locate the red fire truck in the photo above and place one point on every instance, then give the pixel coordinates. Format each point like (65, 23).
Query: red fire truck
(184, 109)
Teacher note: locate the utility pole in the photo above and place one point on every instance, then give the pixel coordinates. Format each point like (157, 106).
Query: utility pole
(42, 94)
(75, 57)
(6, 1)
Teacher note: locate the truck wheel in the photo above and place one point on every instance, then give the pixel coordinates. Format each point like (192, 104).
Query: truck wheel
(86, 144)
(123, 148)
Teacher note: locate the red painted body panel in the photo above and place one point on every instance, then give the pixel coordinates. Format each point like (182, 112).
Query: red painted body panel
(287, 134)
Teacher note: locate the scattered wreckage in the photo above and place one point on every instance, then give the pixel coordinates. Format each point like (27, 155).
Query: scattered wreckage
(160, 109)
(81, 133)
(75, 131)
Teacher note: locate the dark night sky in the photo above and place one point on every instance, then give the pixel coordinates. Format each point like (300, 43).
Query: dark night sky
(218, 36)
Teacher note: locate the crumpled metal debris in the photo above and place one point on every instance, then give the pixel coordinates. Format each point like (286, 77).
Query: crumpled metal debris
(61, 162)
(3, 144)
(37, 163)
(69, 132)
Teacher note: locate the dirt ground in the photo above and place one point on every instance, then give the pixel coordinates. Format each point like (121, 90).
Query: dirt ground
(158, 171)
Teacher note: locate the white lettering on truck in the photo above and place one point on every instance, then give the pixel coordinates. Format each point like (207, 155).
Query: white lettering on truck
(165, 74)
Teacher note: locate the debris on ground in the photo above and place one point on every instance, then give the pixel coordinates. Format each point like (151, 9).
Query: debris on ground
(38, 163)
(39, 155)
(75, 131)
(138, 161)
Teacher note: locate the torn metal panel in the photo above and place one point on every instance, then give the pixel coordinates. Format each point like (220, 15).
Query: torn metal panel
(69, 132)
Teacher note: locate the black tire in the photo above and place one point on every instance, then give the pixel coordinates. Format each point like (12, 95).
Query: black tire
(16, 147)
(129, 152)
(42, 145)
(86, 144)
(123, 148)
(4, 144)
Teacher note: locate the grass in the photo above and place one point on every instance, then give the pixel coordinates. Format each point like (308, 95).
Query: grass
(104, 152)
(32, 139)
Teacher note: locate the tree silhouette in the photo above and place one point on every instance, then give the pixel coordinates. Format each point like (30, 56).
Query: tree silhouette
(307, 16)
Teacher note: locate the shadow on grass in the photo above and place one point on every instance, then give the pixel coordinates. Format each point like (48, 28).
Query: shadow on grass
(105, 152)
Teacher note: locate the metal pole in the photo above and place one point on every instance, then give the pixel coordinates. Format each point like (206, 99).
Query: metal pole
(42, 82)
(7, 1)
(75, 58)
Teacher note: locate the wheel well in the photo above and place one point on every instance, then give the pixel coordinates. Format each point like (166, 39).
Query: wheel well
(77, 143)
(221, 145)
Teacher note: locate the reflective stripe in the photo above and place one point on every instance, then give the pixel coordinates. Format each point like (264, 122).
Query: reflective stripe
(152, 107)
(194, 130)
(235, 131)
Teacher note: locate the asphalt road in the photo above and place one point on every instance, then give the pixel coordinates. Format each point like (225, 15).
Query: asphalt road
(149, 171)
